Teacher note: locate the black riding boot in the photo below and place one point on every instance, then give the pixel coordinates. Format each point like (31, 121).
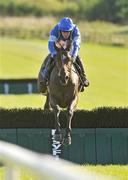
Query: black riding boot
(47, 70)
(82, 72)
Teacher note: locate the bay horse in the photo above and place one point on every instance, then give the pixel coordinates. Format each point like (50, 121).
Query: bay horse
(62, 92)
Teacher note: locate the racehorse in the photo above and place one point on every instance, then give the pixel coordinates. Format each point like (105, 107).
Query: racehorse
(62, 92)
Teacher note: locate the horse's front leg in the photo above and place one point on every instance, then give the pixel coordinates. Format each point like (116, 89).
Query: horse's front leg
(58, 135)
(57, 123)
(56, 109)
(70, 112)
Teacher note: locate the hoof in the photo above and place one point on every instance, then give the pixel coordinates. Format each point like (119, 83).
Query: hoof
(67, 141)
(47, 109)
(58, 137)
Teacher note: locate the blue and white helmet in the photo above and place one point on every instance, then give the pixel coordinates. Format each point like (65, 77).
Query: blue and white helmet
(66, 24)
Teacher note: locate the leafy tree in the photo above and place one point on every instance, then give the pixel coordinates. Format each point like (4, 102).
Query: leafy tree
(110, 10)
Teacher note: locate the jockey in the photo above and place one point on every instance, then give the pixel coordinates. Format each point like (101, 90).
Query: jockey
(65, 35)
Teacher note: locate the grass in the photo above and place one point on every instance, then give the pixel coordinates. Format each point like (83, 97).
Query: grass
(2, 173)
(106, 68)
(118, 172)
(20, 58)
(24, 174)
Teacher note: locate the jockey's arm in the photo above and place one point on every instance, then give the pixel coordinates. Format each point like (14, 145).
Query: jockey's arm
(76, 43)
(51, 46)
(75, 50)
(52, 40)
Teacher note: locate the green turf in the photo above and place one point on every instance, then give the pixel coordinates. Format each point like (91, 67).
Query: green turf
(21, 58)
(106, 66)
(119, 172)
(22, 173)
(2, 172)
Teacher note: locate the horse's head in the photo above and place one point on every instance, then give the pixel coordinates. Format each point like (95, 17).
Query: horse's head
(64, 64)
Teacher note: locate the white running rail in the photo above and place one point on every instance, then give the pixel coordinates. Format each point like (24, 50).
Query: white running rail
(44, 166)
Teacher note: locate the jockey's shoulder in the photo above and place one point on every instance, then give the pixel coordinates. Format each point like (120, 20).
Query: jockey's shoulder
(76, 31)
(55, 30)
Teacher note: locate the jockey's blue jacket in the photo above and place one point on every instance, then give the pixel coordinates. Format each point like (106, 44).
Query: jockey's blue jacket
(75, 38)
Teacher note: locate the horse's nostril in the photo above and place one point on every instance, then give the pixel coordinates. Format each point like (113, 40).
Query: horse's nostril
(66, 77)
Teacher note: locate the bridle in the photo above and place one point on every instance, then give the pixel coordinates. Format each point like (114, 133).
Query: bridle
(62, 64)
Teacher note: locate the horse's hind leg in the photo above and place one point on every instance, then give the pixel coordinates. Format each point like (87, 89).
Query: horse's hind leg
(47, 105)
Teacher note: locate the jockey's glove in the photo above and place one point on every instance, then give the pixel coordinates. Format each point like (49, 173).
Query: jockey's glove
(58, 45)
